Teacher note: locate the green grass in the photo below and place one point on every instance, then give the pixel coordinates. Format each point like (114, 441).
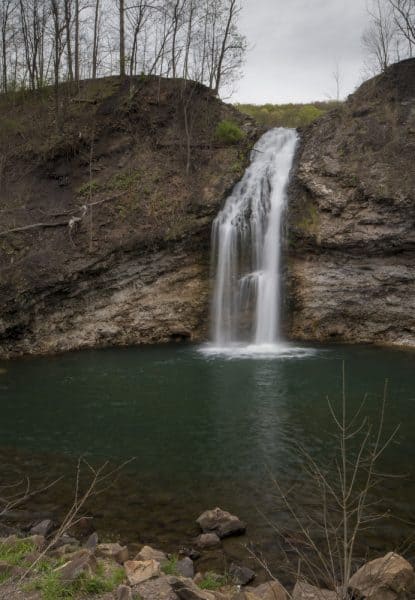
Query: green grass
(212, 581)
(124, 181)
(51, 587)
(170, 567)
(228, 132)
(88, 188)
(287, 115)
(14, 553)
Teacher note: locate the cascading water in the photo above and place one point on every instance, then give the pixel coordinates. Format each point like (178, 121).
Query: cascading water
(246, 242)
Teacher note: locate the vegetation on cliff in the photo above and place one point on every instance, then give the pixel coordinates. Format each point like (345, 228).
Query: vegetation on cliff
(136, 165)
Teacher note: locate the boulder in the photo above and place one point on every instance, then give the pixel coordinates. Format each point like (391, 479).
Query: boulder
(220, 522)
(138, 571)
(241, 575)
(188, 590)
(207, 540)
(42, 528)
(271, 590)
(81, 562)
(149, 553)
(156, 589)
(185, 568)
(305, 591)
(113, 551)
(387, 578)
(92, 541)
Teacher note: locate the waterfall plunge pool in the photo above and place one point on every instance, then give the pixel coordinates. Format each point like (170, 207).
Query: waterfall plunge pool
(205, 431)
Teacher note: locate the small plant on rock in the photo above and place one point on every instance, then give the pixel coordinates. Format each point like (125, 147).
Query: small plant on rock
(228, 132)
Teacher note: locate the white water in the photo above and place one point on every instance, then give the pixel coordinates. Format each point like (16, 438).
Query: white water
(246, 246)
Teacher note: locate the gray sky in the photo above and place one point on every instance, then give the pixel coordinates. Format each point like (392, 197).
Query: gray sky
(294, 48)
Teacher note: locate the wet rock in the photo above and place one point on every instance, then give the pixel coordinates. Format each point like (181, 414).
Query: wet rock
(158, 588)
(305, 591)
(190, 552)
(149, 553)
(241, 575)
(92, 541)
(387, 578)
(138, 571)
(82, 562)
(113, 551)
(124, 592)
(188, 590)
(207, 540)
(43, 528)
(220, 522)
(185, 567)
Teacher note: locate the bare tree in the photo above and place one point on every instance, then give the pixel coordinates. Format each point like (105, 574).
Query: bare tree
(378, 37)
(404, 16)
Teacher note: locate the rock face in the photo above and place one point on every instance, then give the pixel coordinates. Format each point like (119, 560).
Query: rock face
(105, 237)
(350, 224)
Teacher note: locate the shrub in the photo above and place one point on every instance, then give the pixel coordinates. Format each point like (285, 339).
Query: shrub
(228, 132)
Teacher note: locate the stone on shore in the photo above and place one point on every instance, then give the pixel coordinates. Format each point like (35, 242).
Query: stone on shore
(390, 577)
(81, 562)
(42, 528)
(241, 575)
(185, 567)
(271, 590)
(149, 553)
(138, 571)
(113, 551)
(305, 591)
(156, 589)
(186, 589)
(220, 522)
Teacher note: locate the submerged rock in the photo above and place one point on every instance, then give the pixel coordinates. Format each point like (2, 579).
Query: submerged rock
(207, 540)
(220, 522)
(390, 577)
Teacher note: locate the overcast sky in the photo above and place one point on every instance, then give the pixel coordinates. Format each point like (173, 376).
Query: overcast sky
(294, 48)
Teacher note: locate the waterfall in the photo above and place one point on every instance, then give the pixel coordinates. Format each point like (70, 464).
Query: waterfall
(246, 248)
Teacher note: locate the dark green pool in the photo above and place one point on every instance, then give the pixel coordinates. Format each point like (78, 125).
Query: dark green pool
(205, 430)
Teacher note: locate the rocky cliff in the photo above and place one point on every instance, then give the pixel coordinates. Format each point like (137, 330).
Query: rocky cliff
(106, 214)
(350, 269)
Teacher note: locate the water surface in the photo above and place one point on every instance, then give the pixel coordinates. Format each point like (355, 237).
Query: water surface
(206, 430)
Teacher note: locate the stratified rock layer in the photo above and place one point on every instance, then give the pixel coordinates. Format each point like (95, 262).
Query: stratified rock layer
(351, 219)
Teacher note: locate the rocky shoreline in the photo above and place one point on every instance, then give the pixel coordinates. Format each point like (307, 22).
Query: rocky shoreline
(49, 563)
